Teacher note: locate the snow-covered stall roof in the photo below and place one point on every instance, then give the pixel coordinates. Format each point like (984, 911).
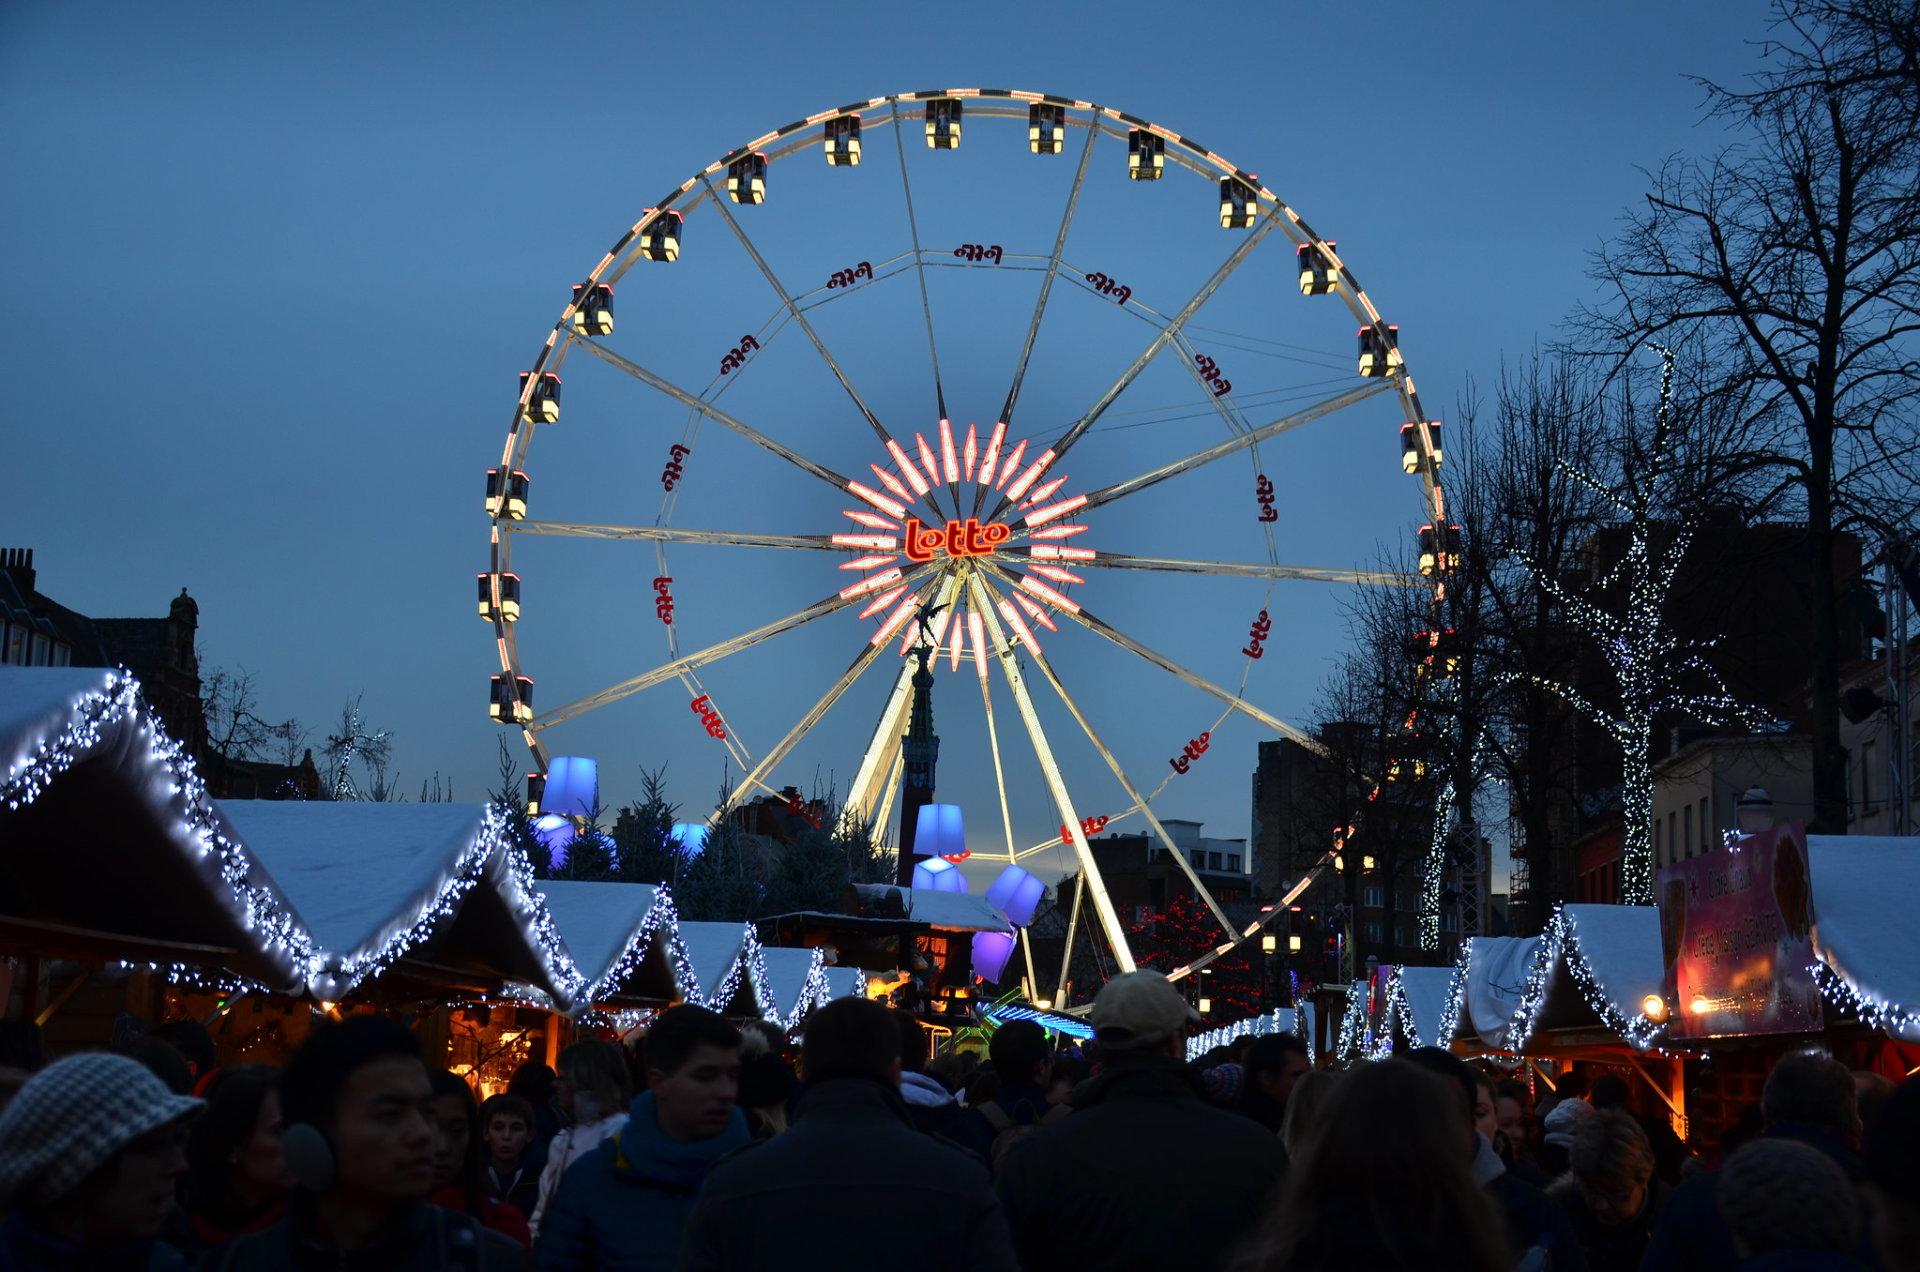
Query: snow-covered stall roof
(954, 911)
(109, 845)
(1865, 889)
(621, 936)
(725, 971)
(1425, 994)
(845, 982)
(796, 982)
(375, 882)
(1279, 1020)
(1593, 961)
(1497, 968)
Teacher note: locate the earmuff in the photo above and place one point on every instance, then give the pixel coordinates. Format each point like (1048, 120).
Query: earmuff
(309, 1156)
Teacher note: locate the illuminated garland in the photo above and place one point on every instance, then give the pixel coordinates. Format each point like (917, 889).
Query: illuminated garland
(1432, 882)
(1889, 1018)
(661, 917)
(1456, 995)
(118, 703)
(1560, 943)
(1257, 1026)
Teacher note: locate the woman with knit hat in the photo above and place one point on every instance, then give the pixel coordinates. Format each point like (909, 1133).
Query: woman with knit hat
(91, 1152)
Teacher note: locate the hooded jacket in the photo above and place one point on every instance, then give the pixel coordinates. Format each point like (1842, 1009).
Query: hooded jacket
(850, 1187)
(624, 1206)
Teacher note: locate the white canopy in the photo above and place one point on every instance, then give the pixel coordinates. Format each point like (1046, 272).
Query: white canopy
(614, 930)
(1864, 892)
(796, 982)
(1427, 992)
(1497, 968)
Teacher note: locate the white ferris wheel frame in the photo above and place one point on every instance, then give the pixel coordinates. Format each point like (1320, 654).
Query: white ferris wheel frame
(983, 582)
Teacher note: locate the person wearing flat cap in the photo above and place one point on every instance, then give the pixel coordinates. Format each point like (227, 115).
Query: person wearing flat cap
(1146, 1173)
(91, 1151)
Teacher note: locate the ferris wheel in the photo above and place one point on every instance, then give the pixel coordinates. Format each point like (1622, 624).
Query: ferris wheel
(1038, 410)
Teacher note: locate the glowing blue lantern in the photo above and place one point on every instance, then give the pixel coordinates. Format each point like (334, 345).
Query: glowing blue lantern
(688, 838)
(1017, 892)
(991, 950)
(573, 786)
(938, 875)
(938, 832)
(554, 833)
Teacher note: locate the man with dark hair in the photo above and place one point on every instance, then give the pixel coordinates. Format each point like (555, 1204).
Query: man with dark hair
(1532, 1220)
(1146, 1173)
(851, 1185)
(1018, 1054)
(929, 1103)
(513, 1173)
(1809, 1098)
(625, 1204)
(1273, 1064)
(360, 1141)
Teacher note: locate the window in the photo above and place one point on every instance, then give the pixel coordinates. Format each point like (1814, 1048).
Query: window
(1707, 840)
(1449, 922)
(16, 646)
(1233, 861)
(1213, 861)
(1371, 931)
(1658, 860)
(1686, 828)
(1673, 840)
(1372, 896)
(38, 657)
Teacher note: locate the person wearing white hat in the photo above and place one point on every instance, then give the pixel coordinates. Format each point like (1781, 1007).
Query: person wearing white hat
(1146, 1173)
(92, 1149)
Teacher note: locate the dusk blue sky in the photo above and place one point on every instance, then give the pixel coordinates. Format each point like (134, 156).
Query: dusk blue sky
(271, 271)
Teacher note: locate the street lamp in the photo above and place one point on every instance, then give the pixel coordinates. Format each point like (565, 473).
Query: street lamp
(1753, 811)
(1269, 944)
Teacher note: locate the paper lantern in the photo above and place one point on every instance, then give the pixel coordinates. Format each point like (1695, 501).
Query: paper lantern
(1017, 892)
(573, 786)
(938, 875)
(554, 833)
(938, 832)
(991, 950)
(689, 838)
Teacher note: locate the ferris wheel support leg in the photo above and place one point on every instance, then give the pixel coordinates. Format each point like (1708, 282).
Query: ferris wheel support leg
(1086, 726)
(1066, 953)
(876, 760)
(1043, 751)
(876, 829)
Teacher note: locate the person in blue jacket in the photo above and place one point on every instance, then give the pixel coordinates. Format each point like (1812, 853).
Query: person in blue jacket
(624, 1206)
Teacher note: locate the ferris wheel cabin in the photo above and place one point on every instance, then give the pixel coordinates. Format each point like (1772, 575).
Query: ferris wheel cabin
(1420, 447)
(943, 123)
(660, 241)
(841, 141)
(1318, 276)
(542, 405)
(506, 587)
(1046, 128)
(1146, 155)
(507, 493)
(747, 179)
(1379, 357)
(593, 309)
(510, 700)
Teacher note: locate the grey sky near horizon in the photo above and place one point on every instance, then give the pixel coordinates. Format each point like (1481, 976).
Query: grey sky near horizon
(272, 271)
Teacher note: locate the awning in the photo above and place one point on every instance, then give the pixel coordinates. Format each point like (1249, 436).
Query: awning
(1864, 892)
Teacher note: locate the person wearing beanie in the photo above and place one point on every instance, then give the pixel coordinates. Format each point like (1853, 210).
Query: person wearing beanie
(1790, 1209)
(1119, 1184)
(361, 1142)
(92, 1149)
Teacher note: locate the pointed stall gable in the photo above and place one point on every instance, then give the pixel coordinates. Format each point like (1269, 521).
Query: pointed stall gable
(1865, 889)
(1594, 966)
(622, 938)
(110, 848)
(845, 982)
(1425, 997)
(1497, 968)
(724, 971)
(796, 983)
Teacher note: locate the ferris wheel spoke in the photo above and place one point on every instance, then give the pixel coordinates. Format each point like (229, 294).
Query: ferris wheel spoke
(711, 654)
(919, 259)
(999, 770)
(1166, 664)
(676, 534)
(1043, 752)
(1046, 284)
(876, 762)
(1235, 444)
(1252, 570)
(693, 403)
(1041, 661)
(786, 299)
(1161, 340)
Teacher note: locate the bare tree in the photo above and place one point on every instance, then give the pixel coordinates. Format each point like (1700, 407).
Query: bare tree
(1793, 258)
(235, 727)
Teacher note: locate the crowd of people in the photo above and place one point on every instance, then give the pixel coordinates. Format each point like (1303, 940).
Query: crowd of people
(709, 1148)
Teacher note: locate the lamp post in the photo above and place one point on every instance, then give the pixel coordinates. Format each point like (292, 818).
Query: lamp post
(1753, 811)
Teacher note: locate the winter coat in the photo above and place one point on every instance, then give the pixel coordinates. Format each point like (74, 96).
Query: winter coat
(851, 1186)
(421, 1238)
(1692, 1235)
(1023, 1104)
(28, 1249)
(568, 1147)
(1612, 1249)
(623, 1206)
(1145, 1174)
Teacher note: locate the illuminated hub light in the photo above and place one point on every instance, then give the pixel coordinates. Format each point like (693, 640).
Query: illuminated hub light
(507, 494)
(878, 500)
(1047, 552)
(747, 179)
(949, 461)
(959, 649)
(1417, 453)
(1317, 275)
(891, 482)
(841, 141)
(593, 309)
(541, 404)
(991, 456)
(873, 584)
(1057, 574)
(500, 597)
(977, 633)
(1046, 128)
(660, 240)
(920, 484)
(866, 540)
(1041, 495)
(1039, 615)
(1011, 463)
(1047, 594)
(511, 699)
(1020, 487)
(970, 453)
(901, 614)
(1379, 357)
(1146, 155)
(1059, 532)
(943, 123)
(868, 519)
(865, 562)
(1239, 204)
(1053, 511)
(1019, 625)
(927, 458)
(881, 602)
